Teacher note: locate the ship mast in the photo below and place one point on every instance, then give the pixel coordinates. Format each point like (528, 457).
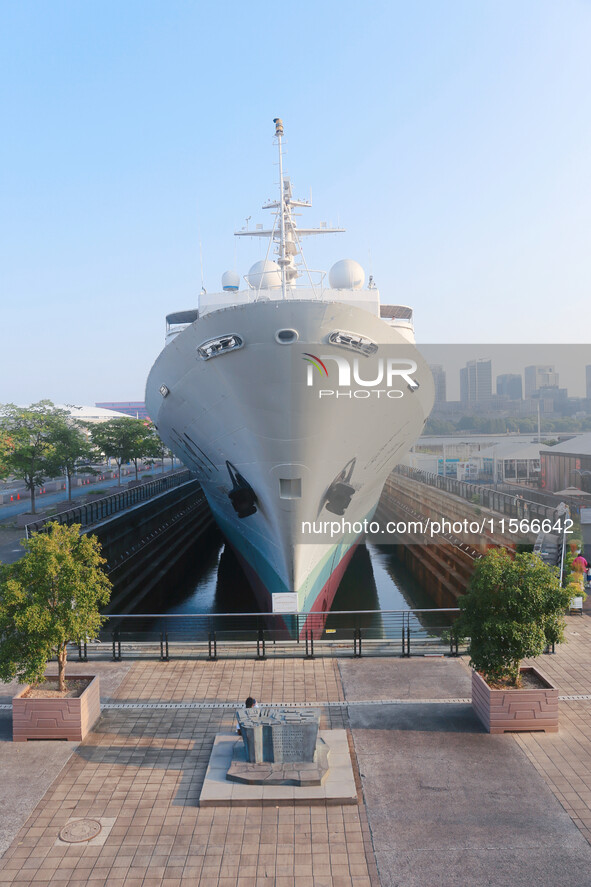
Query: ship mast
(282, 262)
(287, 238)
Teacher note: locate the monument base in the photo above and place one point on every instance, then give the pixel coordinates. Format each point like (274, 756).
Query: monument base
(337, 788)
(287, 773)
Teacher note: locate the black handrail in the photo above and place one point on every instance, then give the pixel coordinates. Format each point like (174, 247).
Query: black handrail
(94, 512)
(404, 632)
(496, 500)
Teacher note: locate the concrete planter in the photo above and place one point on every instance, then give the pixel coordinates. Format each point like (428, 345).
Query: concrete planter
(507, 711)
(28, 517)
(68, 719)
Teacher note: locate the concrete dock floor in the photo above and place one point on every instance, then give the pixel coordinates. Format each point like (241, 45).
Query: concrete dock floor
(440, 801)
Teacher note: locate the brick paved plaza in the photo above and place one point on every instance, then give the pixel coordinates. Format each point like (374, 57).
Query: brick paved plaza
(440, 802)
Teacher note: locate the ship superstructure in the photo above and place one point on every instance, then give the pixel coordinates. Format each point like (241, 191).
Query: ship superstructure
(291, 401)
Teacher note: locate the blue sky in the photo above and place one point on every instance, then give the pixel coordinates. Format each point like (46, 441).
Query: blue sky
(452, 140)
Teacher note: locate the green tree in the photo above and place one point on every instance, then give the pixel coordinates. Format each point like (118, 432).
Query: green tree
(5, 448)
(162, 452)
(49, 598)
(125, 440)
(145, 444)
(71, 447)
(27, 446)
(513, 608)
(439, 426)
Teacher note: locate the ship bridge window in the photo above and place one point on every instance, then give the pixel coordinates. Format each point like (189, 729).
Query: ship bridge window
(353, 342)
(286, 337)
(220, 345)
(290, 487)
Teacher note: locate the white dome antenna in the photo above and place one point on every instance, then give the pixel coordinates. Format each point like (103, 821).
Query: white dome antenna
(264, 275)
(230, 281)
(346, 275)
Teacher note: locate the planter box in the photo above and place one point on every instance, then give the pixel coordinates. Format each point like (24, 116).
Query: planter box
(506, 711)
(57, 718)
(28, 517)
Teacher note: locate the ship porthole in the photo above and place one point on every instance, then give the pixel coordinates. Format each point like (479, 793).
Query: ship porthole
(286, 337)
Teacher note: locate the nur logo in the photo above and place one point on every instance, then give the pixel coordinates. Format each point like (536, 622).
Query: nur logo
(314, 362)
(384, 371)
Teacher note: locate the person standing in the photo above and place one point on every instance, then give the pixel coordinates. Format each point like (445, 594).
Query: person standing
(581, 565)
(249, 703)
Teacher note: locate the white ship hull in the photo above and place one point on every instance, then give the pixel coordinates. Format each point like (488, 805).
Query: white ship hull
(261, 413)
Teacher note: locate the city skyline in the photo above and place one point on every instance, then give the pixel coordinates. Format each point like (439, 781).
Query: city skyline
(577, 372)
(446, 376)
(570, 362)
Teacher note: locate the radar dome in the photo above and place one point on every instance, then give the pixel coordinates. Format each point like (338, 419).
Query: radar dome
(264, 275)
(230, 281)
(346, 275)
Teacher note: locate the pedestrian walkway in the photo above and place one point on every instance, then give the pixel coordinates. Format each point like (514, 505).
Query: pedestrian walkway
(564, 758)
(10, 548)
(440, 801)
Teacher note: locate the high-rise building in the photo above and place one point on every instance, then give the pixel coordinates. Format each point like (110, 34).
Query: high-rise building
(588, 381)
(539, 376)
(510, 385)
(440, 381)
(556, 396)
(476, 381)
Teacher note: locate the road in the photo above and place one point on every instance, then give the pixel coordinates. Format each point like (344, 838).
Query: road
(44, 500)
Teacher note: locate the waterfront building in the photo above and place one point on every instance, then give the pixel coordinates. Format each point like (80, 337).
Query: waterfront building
(90, 414)
(134, 408)
(476, 381)
(514, 461)
(440, 380)
(558, 397)
(510, 385)
(539, 376)
(568, 465)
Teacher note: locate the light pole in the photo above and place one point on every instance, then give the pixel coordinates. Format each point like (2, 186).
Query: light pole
(495, 465)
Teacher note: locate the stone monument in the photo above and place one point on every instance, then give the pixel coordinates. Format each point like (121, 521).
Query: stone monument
(279, 747)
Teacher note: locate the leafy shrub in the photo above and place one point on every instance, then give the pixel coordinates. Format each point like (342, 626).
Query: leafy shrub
(512, 610)
(49, 598)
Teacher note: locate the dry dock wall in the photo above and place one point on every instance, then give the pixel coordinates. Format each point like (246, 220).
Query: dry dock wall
(153, 540)
(442, 567)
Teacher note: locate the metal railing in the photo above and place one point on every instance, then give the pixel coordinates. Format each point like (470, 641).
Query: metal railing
(96, 511)
(544, 498)
(261, 635)
(488, 497)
